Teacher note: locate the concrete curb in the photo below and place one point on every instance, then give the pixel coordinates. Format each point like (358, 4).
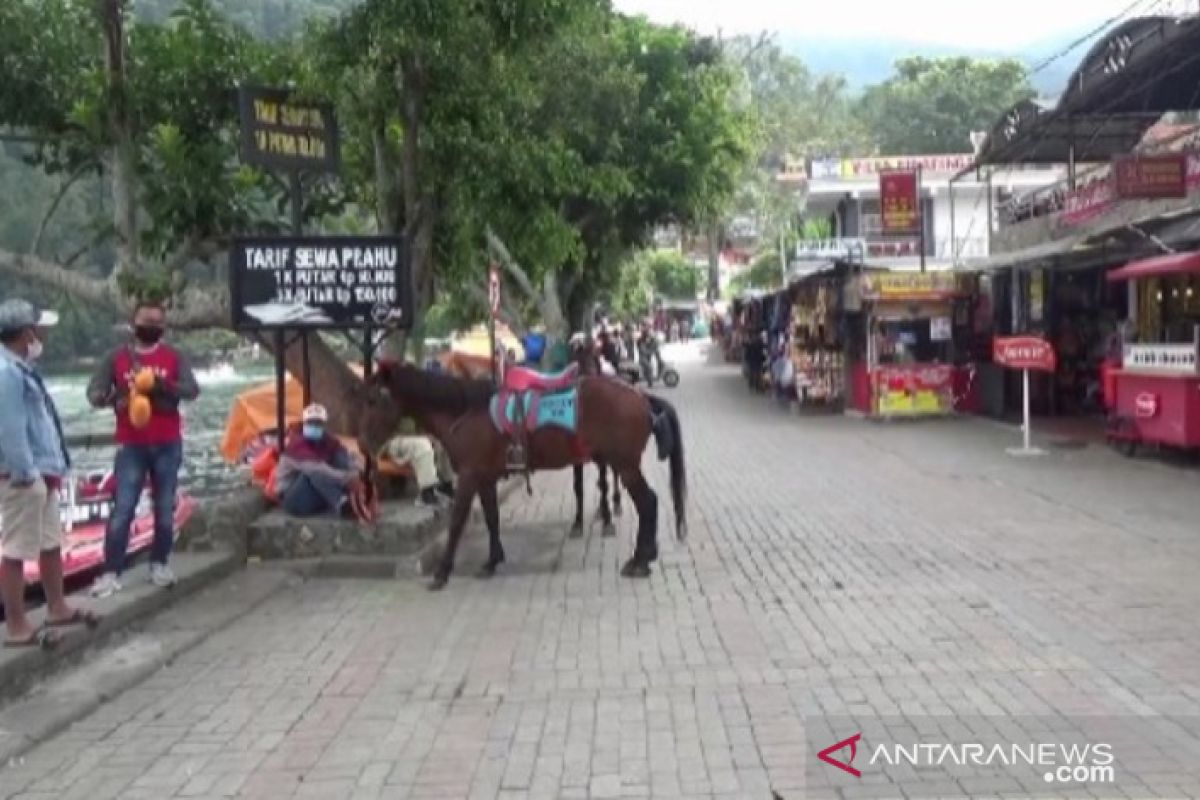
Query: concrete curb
(20, 668)
(51, 707)
(145, 629)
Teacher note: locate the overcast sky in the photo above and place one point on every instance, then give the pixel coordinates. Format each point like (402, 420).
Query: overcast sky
(1003, 25)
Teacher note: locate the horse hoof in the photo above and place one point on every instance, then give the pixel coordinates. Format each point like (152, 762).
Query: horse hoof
(486, 571)
(635, 569)
(576, 531)
(608, 531)
(438, 583)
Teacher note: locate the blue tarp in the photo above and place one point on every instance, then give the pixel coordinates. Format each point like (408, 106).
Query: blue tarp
(535, 347)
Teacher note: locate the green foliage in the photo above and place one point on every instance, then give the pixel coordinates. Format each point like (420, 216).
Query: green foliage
(651, 275)
(644, 133)
(672, 276)
(764, 273)
(933, 105)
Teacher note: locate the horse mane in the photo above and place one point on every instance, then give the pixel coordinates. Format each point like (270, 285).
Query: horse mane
(436, 391)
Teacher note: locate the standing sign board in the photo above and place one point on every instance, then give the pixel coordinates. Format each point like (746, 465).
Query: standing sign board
(898, 202)
(281, 133)
(320, 282)
(1025, 353)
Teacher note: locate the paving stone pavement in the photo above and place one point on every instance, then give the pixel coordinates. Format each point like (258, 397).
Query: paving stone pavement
(836, 569)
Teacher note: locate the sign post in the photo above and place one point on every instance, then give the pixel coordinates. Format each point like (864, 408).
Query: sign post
(283, 134)
(493, 312)
(1025, 353)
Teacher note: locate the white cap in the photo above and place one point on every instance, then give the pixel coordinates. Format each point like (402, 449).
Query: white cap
(315, 413)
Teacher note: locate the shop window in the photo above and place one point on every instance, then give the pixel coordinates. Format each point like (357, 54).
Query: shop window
(912, 341)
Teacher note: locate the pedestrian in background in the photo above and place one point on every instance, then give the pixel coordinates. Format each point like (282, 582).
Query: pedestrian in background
(33, 465)
(144, 383)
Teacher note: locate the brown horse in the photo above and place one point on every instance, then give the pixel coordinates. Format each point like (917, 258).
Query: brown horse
(614, 424)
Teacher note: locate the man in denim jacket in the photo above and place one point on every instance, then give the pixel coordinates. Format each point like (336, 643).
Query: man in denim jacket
(33, 465)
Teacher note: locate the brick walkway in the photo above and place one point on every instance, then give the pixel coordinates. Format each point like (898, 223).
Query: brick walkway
(837, 568)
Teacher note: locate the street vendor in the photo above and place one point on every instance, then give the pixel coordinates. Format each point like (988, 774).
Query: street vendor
(316, 473)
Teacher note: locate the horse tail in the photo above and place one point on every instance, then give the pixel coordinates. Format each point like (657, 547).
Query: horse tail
(664, 412)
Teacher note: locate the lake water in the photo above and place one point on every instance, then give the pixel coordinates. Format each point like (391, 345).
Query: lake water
(205, 473)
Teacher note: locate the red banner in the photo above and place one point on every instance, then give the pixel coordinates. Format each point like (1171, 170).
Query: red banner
(1151, 177)
(1024, 352)
(1098, 197)
(898, 201)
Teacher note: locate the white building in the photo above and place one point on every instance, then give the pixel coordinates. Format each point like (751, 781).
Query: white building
(846, 193)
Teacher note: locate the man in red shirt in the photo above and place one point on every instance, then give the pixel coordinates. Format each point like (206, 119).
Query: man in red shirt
(150, 445)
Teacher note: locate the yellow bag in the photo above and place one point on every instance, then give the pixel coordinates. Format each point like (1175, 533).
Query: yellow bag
(140, 410)
(144, 382)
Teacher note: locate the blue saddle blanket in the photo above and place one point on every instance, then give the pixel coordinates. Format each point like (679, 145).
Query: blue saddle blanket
(535, 410)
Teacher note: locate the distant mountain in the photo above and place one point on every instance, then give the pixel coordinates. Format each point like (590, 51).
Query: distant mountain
(867, 61)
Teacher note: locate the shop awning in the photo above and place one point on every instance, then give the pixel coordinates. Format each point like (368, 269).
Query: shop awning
(1158, 267)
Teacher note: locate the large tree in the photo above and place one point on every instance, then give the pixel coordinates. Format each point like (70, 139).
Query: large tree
(931, 105)
(645, 134)
(797, 114)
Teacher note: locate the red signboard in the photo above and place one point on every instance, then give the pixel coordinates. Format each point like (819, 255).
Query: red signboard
(1098, 197)
(1024, 352)
(1156, 176)
(898, 202)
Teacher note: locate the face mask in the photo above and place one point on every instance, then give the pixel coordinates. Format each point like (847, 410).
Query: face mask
(148, 334)
(314, 433)
(34, 351)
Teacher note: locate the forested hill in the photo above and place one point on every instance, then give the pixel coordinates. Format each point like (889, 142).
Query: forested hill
(864, 62)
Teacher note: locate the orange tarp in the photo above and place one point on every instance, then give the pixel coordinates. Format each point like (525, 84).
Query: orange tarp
(467, 365)
(253, 412)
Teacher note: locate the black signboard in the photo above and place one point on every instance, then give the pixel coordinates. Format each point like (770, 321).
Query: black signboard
(320, 282)
(281, 133)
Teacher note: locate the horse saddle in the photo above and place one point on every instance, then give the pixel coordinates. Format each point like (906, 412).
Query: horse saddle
(530, 410)
(523, 379)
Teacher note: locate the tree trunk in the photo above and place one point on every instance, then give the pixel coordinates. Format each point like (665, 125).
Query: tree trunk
(334, 385)
(386, 191)
(121, 156)
(714, 236)
(552, 308)
(419, 216)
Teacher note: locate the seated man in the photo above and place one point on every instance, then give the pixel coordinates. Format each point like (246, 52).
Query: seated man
(316, 473)
(428, 460)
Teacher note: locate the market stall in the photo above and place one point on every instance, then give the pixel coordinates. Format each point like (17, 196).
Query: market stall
(914, 362)
(818, 360)
(1156, 388)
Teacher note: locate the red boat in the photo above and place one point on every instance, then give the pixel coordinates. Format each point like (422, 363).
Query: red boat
(85, 512)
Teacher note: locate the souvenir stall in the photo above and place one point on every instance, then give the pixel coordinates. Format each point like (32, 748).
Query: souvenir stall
(818, 360)
(914, 359)
(751, 338)
(1154, 394)
(779, 315)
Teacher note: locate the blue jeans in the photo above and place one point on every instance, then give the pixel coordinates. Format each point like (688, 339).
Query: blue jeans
(311, 495)
(134, 464)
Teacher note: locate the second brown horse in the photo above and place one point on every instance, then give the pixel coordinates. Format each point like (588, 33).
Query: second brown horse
(614, 423)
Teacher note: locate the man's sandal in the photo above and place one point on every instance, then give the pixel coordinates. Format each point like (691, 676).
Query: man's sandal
(42, 638)
(79, 616)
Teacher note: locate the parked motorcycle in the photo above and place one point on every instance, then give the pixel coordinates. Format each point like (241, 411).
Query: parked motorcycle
(636, 373)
